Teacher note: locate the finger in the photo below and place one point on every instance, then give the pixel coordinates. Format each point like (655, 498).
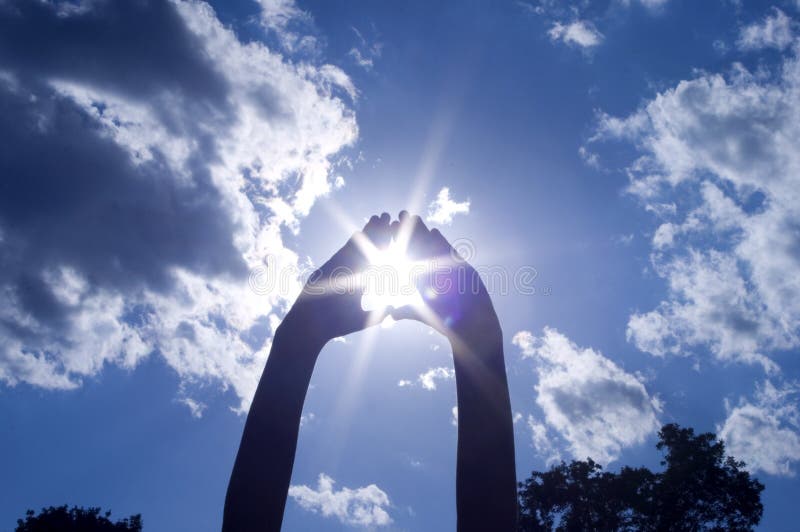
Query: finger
(394, 229)
(379, 230)
(375, 317)
(371, 224)
(406, 312)
(382, 235)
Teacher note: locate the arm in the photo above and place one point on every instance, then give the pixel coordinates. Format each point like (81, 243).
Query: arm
(458, 305)
(260, 479)
(486, 475)
(263, 469)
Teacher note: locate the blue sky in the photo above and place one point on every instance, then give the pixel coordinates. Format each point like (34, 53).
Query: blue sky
(640, 156)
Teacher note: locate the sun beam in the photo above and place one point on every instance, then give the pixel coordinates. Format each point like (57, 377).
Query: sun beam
(389, 281)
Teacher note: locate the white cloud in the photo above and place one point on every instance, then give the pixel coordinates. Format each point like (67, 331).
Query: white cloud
(454, 416)
(306, 419)
(526, 342)
(365, 53)
(775, 31)
(256, 150)
(580, 32)
(443, 208)
(279, 16)
(596, 406)
(195, 407)
(764, 432)
(721, 151)
(542, 442)
(358, 507)
(711, 306)
(428, 378)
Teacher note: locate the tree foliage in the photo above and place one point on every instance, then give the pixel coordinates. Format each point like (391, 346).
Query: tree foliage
(699, 489)
(76, 519)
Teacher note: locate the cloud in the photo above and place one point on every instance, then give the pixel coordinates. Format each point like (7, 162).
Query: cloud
(764, 432)
(359, 507)
(720, 151)
(307, 419)
(428, 379)
(454, 416)
(650, 4)
(542, 442)
(526, 342)
(580, 32)
(195, 407)
(282, 18)
(596, 406)
(443, 208)
(143, 180)
(364, 54)
(775, 31)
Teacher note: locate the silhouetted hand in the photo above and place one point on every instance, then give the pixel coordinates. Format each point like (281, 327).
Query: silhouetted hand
(330, 304)
(457, 303)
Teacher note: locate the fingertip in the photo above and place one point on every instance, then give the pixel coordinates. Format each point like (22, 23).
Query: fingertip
(385, 218)
(403, 215)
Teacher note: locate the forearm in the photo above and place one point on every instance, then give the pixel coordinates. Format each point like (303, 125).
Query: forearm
(260, 479)
(486, 474)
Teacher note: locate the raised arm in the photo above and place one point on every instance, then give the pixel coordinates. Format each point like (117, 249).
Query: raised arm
(329, 306)
(458, 305)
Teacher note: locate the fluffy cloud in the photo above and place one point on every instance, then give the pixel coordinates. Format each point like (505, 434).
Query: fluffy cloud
(526, 342)
(143, 179)
(580, 32)
(360, 507)
(775, 31)
(542, 442)
(720, 152)
(596, 406)
(764, 432)
(428, 379)
(443, 208)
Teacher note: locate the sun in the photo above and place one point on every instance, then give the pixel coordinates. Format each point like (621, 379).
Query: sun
(389, 281)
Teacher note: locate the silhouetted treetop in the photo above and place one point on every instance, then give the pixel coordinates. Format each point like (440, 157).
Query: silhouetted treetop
(62, 519)
(699, 489)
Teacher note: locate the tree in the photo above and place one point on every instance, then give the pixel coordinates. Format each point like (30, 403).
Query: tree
(76, 519)
(699, 489)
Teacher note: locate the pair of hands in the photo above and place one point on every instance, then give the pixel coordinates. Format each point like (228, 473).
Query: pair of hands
(456, 302)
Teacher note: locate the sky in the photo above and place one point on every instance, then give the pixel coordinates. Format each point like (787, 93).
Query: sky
(170, 170)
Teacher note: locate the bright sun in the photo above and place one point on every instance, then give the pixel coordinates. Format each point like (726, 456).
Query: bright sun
(389, 282)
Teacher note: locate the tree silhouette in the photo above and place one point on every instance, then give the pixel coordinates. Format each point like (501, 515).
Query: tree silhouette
(699, 489)
(61, 519)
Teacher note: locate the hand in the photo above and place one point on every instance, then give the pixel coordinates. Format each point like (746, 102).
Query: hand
(330, 303)
(456, 302)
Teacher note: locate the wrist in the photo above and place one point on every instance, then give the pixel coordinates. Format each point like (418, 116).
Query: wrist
(298, 331)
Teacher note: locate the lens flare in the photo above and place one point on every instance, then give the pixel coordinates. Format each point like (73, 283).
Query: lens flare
(390, 279)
